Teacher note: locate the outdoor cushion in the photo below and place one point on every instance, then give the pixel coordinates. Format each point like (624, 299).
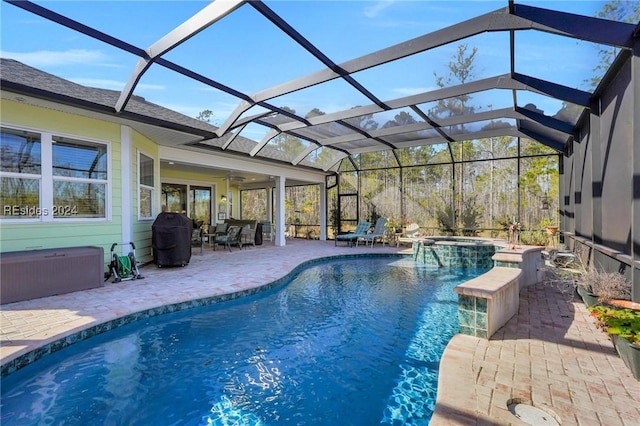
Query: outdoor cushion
(361, 231)
(232, 237)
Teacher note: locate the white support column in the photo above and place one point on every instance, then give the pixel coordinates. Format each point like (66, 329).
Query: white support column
(270, 205)
(126, 185)
(280, 222)
(229, 197)
(323, 211)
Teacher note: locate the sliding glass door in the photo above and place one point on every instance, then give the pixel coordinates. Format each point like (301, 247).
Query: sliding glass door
(200, 203)
(192, 200)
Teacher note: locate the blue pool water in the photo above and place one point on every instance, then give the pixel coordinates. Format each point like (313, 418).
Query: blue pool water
(353, 341)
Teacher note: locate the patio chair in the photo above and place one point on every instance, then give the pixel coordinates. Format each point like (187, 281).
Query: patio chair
(267, 231)
(214, 231)
(231, 238)
(410, 234)
(361, 230)
(197, 238)
(561, 258)
(378, 233)
(219, 229)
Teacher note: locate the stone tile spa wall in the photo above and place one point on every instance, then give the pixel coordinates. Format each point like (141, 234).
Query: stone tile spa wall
(454, 253)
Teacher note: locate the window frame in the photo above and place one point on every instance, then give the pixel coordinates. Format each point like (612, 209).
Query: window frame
(142, 186)
(47, 178)
(22, 212)
(65, 210)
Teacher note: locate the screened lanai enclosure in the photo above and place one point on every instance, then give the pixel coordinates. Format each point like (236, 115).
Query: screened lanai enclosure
(463, 120)
(460, 188)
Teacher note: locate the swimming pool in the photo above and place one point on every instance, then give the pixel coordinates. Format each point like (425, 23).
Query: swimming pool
(349, 341)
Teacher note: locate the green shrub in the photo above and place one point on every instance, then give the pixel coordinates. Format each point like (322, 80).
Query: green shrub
(621, 321)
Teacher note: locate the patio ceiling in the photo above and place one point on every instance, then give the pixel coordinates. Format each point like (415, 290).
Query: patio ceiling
(324, 139)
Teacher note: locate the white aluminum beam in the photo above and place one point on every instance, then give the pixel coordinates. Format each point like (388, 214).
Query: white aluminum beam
(206, 17)
(265, 140)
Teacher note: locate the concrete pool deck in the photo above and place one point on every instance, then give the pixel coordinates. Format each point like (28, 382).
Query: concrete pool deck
(550, 353)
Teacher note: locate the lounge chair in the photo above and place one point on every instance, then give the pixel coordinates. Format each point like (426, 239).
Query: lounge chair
(561, 258)
(361, 230)
(289, 231)
(410, 234)
(378, 233)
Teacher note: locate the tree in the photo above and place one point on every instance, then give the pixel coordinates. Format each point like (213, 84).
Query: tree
(621, 10)
(291, 146)
(616, 10)
(204, 115)
(314, 113)
(365, 122)
(401, 119)
(461, 70)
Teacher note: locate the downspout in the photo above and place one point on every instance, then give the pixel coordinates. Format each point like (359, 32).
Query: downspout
(126, 183)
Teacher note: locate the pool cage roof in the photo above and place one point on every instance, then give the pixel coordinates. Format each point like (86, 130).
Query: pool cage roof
(507, 100)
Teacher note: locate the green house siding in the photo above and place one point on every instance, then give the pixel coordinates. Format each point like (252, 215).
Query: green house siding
(37, 234)
(141, 228)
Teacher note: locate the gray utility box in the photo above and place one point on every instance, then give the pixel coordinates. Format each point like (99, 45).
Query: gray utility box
(26, 275)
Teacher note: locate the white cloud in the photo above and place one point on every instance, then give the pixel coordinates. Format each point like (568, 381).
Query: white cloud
(375, 10)
(50, 58)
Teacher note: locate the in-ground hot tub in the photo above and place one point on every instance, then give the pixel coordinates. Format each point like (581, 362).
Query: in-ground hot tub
(455, 252)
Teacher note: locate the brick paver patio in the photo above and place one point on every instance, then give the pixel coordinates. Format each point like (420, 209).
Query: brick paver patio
(550, 354)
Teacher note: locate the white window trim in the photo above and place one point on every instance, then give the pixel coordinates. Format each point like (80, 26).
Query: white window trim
(47, 178)
(151, 188)
(189, 183)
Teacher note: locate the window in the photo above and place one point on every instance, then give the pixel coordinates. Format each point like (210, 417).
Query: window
(174, 198)
(79, 178)
(47, 177)
(200, 203)
(253, 204)
(20, 174)
(146, 186)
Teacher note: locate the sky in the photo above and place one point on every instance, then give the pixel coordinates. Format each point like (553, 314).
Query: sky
(246, 52)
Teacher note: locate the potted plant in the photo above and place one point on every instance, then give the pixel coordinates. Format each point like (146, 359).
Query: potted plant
(514, 234)
(549, 226)
(623, 326)
(470, 217)
(598, 287)
(392, 226)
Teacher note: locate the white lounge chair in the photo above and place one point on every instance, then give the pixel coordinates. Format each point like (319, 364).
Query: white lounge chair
(410, 234)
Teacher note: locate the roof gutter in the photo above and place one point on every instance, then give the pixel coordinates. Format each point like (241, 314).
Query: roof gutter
(100, 108)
